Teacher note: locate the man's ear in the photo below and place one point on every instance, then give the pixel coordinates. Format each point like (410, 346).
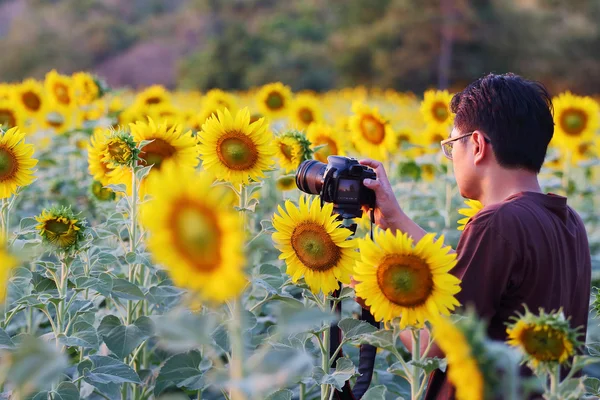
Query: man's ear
(480, 147)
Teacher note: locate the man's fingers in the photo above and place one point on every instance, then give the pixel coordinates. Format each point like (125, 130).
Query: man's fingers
(376, 165)
(372, 184)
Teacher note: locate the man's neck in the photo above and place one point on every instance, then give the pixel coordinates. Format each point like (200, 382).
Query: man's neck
(504, 183)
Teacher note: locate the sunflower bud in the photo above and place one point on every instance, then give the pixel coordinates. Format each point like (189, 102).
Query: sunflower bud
(59, 227)
(120, 150)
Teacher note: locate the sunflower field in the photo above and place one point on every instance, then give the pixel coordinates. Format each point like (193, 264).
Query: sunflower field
(154, 245)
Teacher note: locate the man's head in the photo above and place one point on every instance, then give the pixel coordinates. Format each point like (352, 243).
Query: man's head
(511, 124)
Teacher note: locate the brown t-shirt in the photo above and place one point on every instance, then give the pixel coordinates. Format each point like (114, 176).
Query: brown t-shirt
(529, 249)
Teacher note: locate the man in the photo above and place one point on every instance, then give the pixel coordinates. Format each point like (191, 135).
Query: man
(524, 247)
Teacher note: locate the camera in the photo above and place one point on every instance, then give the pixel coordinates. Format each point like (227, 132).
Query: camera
(340, 182)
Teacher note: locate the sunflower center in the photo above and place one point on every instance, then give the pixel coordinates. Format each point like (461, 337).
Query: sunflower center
(156, 152)
(7, 118)
(314, 247)
(197, 236)
(286, 150)
(583, 148)
(57, 227)
(31, 100)
(372, 130)
(237, 151)
(61, 91)
(436, 138)
(306, 115)
(275, 101)
(543, 345)
(119, 151)
(153, 100)
(403, 139)
(405, 280)
(8, 164)
(573, 121)
(329, 149)
(440, 111)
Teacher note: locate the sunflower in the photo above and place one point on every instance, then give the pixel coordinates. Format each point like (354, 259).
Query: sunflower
(101, 193)
(59, 227)
(97, 166)
(153, 96)
(286, 182)
(575, 119)
(7, 263)
(16, 162)
(371, 133)
(30, 94)
(305, 110)
(85, 88)
(470, 368)
(474, 207)
(274, 99)
(62, 120)
(291, 149)
(435, 108)
(220, 100)
(431, 137)
(59, 89)
(194, 234)
(313, 245)
(235, 150)
(11, 115)
(544, 339)
(330, 140)
(398, 279)
(120, 149)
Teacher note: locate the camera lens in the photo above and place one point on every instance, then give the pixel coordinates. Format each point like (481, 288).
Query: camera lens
(309, 176)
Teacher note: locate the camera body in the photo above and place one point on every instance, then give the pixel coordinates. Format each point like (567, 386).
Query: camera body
(340, 182)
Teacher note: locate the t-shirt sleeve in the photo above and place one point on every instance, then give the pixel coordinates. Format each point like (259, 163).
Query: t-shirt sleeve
(484, 264)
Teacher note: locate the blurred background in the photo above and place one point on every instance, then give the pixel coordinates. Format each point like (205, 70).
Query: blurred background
(308, 44)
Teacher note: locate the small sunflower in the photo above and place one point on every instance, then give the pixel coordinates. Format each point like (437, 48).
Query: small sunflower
(16, 162)
(12, 114)
(62, 120)
(97, 166)
(291, 149)
(85, 88)
(470, 368)
(305, 110)
(313, 245)
(576, 119)
(331, 142)
(274, 99)
(234, 149)
(404, 135)
(194, 234)
(101, 193)
(371, 133)
(220, 100)
(474, 207)
(431, 137)
(59, 227)
(544, 339)
(120, 149)
(60, 89)
(435, 108)
(286, 182)
(152, 96)
(30, 94)
(398, 279)
(7, 263)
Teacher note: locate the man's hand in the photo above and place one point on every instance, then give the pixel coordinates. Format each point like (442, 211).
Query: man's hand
(388, 212)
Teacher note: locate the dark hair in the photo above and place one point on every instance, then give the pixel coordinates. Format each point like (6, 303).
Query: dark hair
(515, 113)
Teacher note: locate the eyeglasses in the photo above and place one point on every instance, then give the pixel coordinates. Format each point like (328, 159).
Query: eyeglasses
(447, 144)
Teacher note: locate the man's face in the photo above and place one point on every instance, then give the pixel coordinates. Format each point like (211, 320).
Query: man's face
(466, 174)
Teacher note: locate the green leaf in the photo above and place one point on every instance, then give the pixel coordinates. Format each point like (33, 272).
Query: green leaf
(345, 370)
(580, 362)
(102, 284)
(264, 285)
(130, 257)
(353, 328)
(28, 224)
(346, 293)
(143, 172)
(430, 364)
(375, 393)
(383, 339)
(284, 394)
(107, 374)
(82, 334)
(185, 370)
(163, 294)
(66, 391)
(295, 319)
(105, 258)
(126, 290)
(121, 339)
(571, 389)
(592, 386)
(117, 188)
(5, 340)
(182, 331)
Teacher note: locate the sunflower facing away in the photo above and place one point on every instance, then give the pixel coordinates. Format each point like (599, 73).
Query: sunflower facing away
(59, 227)
(576, 120)
(7, 263)
(194, 234)
(371, 133)
(332, 142)
(313, 245)
(305, 110)
(291, 149)
(399, 279)
(59, 89)
(235, 150)
(470, 369)
(16, 162)
(274, 99)
(435, 108)
(543, 339)
(97, 166)
(474, 207)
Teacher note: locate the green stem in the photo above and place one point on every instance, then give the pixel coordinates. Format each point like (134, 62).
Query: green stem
(416, 371)
(302, 391)
(199, 395)
(554, 381)
(236, 368)
(325, 356)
